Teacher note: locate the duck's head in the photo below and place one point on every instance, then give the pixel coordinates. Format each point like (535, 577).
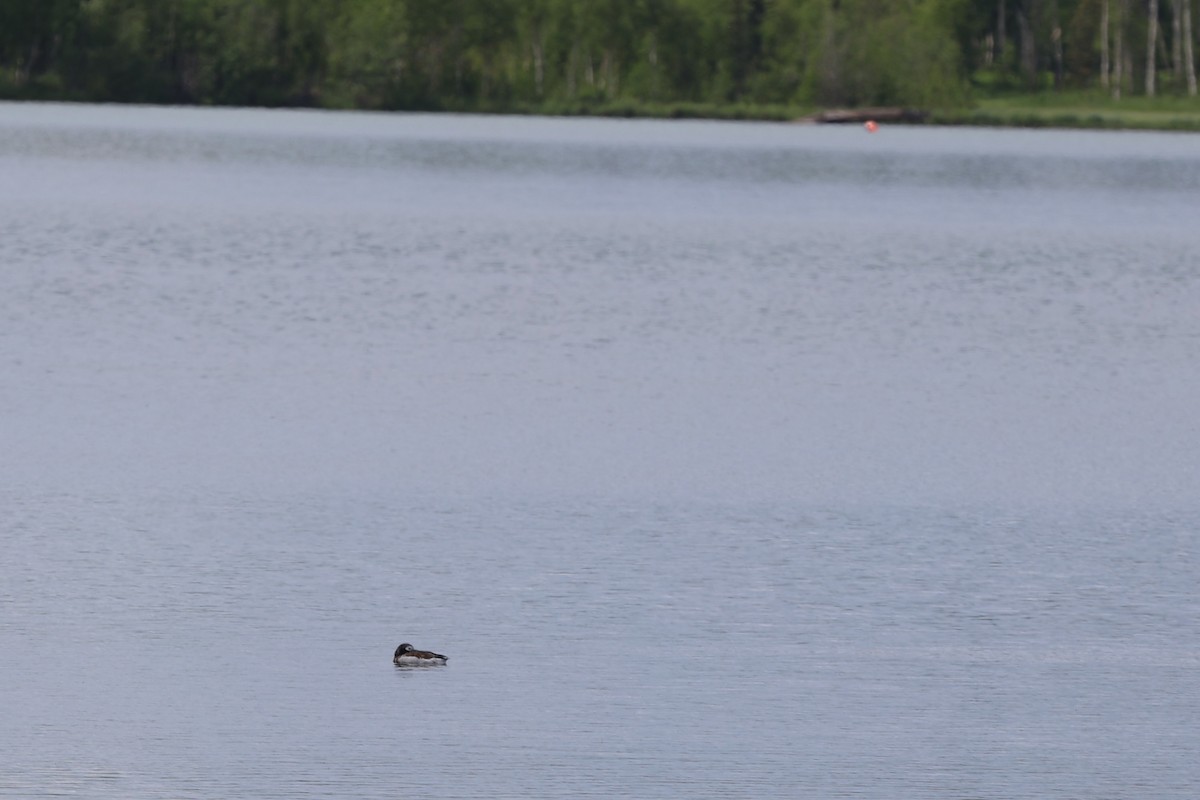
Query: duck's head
(402, 649)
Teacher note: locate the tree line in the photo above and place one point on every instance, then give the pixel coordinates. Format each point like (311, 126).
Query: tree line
(551, 54)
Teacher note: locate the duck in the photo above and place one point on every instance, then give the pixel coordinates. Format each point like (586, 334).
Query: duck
(408, 656)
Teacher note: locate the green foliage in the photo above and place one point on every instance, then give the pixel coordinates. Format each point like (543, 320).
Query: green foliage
(557, 54)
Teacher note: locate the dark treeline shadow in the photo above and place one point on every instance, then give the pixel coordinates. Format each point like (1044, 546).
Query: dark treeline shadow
(576, 56)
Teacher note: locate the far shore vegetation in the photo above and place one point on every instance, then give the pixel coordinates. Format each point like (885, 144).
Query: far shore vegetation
(1041, 63)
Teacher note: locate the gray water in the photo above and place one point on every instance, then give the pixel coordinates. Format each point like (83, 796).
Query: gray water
(722, 460)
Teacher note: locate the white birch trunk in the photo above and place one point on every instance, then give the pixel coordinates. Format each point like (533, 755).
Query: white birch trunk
(652, 56)
(572, 67)
(1104, 44)
(1177, 41)
(1056, 40)
(1001, 34)
(1028, 48)
(539, 62)
(1151, 47)
(1189, 62)
(1118, 54)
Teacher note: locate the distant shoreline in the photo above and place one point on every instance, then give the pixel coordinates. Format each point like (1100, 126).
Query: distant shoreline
(1050, 111)
(1068, 112)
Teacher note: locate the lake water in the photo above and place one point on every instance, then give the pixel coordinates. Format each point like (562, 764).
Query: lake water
(723, 460)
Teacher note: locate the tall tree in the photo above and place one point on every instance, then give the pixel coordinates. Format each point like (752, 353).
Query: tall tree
(1001, 31)
(1177, 42)
(1104, 43)
(1151, 45)
(745, 40)
(1118, 65)
(1056, 43)
(1025, 22)
(1189, 60)
(33, 33)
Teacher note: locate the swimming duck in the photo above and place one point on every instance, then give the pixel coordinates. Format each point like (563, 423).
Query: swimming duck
(408, 656)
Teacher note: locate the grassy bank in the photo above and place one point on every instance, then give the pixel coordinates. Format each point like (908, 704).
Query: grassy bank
(633, 108)
(1079, 111)
(1092, 110)
(1047, 109)
(1084, 110)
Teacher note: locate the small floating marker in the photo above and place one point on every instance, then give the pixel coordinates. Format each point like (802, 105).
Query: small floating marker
(871, 126)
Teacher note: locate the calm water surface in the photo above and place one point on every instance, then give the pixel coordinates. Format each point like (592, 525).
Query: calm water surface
(722, 460)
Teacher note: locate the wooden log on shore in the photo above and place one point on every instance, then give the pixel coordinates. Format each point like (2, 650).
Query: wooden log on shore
(835, 116)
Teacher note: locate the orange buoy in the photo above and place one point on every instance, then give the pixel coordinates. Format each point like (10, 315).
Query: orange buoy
(871, 126)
